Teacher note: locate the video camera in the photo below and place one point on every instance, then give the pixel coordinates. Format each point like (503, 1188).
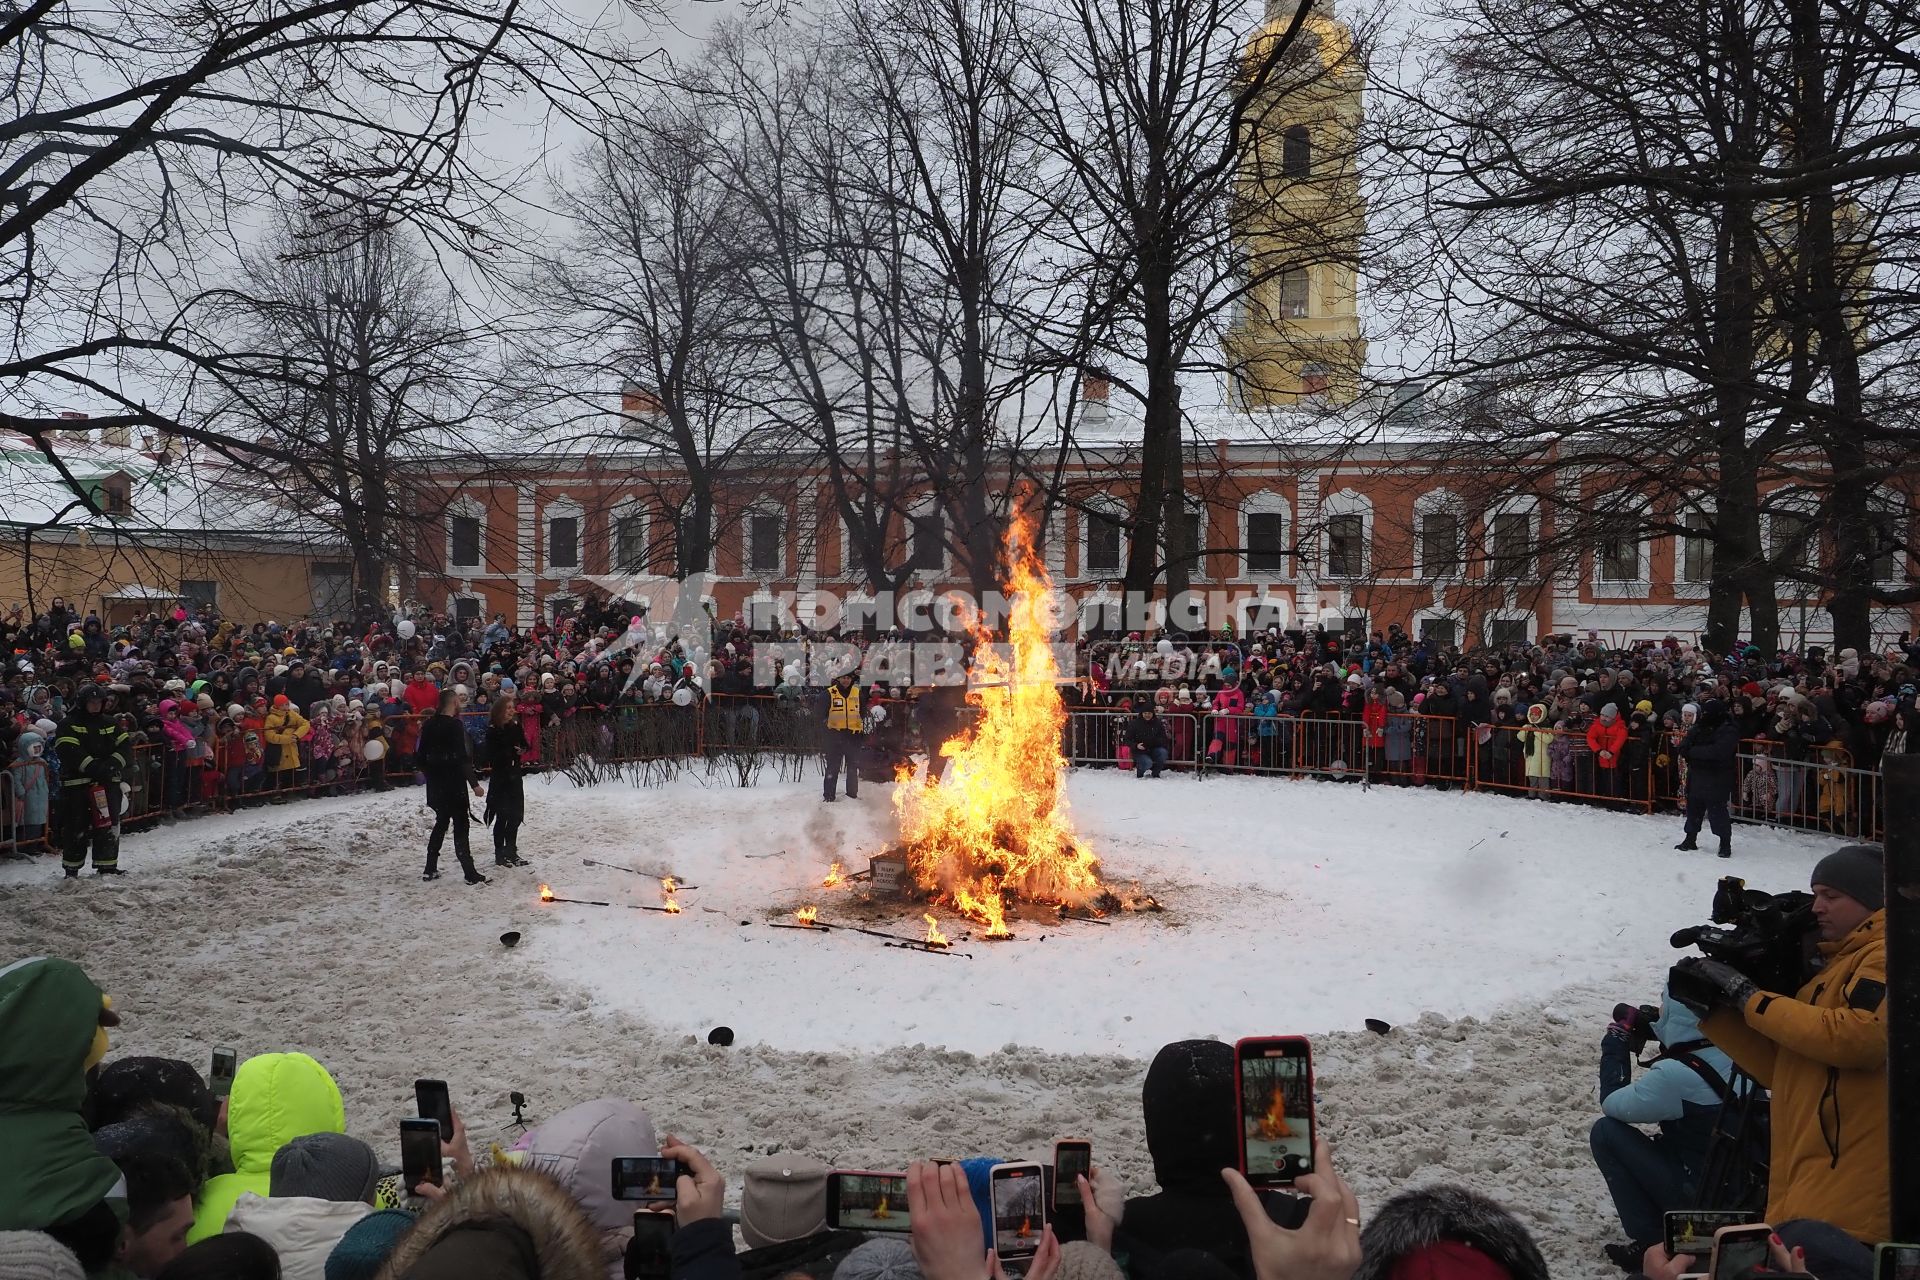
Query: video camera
(1768, 938)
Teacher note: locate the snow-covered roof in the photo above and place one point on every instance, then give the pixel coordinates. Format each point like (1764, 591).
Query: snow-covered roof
(169, 496)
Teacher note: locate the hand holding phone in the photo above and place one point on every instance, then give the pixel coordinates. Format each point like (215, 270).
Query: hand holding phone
(1273, 1086)
(1691, 1231)
(1738, 1249)
(867, 1200)
(226, 1063)
(432, 1102)
(420, 1154)
(650, 1252)
(1327, 1239)
(653, 1180)
(1072, 1158)
(1017, 1192)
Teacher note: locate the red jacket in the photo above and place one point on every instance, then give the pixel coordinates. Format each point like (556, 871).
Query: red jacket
(1374, 716)
(421, 696)
(1610, 738)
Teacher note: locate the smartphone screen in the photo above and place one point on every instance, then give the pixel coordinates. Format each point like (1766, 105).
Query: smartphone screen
(650, 1252)
(1737, 1250)
(1019, 1210)
(420, 1153)
(1896, 1262)
(648, 1179)
(220, 1079)
(1691, 1230)
(861, 1200)
(1072, 1160)
(433, 1102)
(1274, 1076)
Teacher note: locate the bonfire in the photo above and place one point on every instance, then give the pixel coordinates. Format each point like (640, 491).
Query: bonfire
(996, 828)
(1273, 1125)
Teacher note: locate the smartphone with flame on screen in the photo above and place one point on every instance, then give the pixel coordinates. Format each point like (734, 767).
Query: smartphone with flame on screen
(1273, 1090)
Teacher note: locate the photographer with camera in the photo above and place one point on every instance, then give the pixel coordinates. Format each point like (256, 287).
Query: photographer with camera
(1822, 1052)
(1681, 1091)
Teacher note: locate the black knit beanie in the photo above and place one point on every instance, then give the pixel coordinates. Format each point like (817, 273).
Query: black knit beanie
(1857, 870)
(1187, 1102)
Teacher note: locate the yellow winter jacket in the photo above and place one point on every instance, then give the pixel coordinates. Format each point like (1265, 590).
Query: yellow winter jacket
(284, 728)
(1823, 1053)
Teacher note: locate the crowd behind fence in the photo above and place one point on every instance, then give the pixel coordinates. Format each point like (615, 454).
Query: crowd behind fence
(651, 741)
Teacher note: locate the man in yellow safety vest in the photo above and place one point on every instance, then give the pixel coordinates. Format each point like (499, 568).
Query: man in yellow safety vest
(844, 729)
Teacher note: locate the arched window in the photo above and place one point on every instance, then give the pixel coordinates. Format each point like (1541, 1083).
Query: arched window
(1266, 522)
(1347, 519)
(1296, 152)
(1439, 526)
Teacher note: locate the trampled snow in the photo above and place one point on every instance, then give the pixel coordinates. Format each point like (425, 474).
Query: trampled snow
(1292, 907)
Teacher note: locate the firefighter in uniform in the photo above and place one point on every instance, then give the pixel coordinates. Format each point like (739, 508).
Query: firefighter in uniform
(94, 752)
(844, 728)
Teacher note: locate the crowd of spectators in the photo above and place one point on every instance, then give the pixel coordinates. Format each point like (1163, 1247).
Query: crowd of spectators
(218, 713)
(133, 1167)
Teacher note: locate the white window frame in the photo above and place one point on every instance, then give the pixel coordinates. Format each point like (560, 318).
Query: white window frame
(1266, 502)
(628, 509)
(1528, 507)
(1110, 511)
(1440, 614)
(1638, 586)
(779, 515)
(920, 509)
(1901, 518)
(467, 507)
(1492, 616)
(1346, 502)
(1198, 572)
(562, 509)
(1704, 508)
(1435, 502)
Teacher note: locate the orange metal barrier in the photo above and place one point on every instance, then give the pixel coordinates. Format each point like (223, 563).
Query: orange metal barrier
(1557, 764)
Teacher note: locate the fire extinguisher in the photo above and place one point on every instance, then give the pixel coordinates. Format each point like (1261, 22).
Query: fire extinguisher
(102, 813)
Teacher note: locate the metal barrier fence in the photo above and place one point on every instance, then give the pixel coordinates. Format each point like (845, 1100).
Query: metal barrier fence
(1827, 794)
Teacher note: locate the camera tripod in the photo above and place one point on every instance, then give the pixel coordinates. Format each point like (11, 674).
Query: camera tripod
(1735, 1173)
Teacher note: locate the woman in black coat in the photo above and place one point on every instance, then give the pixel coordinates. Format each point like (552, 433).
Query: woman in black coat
(506, 800)
(446, 761)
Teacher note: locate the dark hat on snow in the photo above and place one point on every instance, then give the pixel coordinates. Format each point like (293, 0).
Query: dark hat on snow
(1857, 870)
(1188, 1104)
(325, 1166)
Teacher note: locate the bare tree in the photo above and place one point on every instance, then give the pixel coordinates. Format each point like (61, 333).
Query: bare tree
(1166, 128)
(142, 136)
(350, 373)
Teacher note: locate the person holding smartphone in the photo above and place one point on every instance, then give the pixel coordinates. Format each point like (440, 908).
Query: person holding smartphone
(447, 762)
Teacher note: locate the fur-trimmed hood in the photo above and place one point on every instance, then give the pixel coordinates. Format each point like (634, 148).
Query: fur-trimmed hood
(500, 1201)
(1415, 1220)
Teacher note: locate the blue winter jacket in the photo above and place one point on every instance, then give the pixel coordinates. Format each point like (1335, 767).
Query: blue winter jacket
(1663, 1091)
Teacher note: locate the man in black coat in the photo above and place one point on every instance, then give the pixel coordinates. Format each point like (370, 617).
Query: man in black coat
(446, 758)
(1147, 740)
(1710, 749)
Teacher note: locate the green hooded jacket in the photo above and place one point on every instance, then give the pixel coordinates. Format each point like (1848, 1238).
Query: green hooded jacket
(49, 1018)
(276, 1098)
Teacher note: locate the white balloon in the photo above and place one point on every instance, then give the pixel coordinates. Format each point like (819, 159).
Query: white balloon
(376, 749)
(683, 697)
(1164, 647)
(879, 715)
(405, 628)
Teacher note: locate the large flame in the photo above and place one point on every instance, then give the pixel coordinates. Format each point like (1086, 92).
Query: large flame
(1273, 1125)
(997, 824)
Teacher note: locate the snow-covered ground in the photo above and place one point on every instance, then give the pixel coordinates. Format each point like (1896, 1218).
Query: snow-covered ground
(1494, 933)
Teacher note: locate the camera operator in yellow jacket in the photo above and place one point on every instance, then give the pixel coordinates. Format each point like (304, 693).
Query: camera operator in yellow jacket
(1822, 1052)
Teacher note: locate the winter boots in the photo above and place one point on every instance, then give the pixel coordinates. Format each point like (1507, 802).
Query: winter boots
(1688, 845)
